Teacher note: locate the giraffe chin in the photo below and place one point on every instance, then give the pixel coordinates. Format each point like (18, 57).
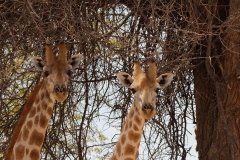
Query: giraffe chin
(148, 113)
(60, 97)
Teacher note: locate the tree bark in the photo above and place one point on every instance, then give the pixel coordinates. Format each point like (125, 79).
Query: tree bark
(217, 90)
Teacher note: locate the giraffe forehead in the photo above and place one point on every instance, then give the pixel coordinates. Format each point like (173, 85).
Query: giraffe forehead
(58, 66)
(144, 82)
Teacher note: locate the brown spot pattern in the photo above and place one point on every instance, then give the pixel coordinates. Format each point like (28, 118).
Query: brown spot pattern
(36, 120)
(135, 127)
(27, 151)
(43, 121)
(123, 139)
(47, 95)
(37, 99)
(133, 136)
(130, 124)
(114, 157)
(32, 112)
(42, 95)
(25, 133)
(128, 159)
(23, 118)
(38, 108)
(129, 149)
(49, 110)
(137, 120)
(34, 154)
(36, 138)
(29, 124)
(44, 105)
(118, 148)
(19, 152)
(48, 98)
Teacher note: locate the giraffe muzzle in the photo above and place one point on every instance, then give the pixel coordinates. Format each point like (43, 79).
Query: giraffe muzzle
(147, 106)
(60, 89)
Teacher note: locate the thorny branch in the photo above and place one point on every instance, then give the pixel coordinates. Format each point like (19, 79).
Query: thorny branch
(108, 33)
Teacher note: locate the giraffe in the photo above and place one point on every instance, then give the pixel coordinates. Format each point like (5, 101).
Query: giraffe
(144, 87)
(29, 133)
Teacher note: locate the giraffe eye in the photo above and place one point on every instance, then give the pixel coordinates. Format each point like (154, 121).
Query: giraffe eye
(133, 90)
(69, 73)
(46, 73)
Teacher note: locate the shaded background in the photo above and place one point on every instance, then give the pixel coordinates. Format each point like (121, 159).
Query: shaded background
(191, 39)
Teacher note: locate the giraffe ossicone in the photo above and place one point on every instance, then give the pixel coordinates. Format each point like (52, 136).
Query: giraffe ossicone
(144, 86)
(29, 133)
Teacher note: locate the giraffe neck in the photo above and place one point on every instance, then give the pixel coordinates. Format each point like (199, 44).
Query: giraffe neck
(129, 140)
(29, 133)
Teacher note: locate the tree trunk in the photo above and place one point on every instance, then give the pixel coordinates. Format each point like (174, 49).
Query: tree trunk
(217, 89)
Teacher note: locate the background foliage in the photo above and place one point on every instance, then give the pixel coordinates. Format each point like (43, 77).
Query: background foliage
(109, 34)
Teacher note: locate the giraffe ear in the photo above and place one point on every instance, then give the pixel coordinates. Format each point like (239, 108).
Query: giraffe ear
(125, 79)
(74, 61)
(38, 63)
(165, 79)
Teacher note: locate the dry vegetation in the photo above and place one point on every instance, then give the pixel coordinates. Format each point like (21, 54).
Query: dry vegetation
(110, 34)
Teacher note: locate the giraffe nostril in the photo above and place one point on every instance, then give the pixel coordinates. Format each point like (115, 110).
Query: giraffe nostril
(147, 106)
(60, 89)
(63, 89)
(57, 88)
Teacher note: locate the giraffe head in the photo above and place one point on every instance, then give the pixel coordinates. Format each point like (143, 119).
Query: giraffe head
(145, 87)
(57, 70)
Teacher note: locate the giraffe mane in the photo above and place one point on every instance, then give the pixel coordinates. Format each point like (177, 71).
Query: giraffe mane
(21, 120)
